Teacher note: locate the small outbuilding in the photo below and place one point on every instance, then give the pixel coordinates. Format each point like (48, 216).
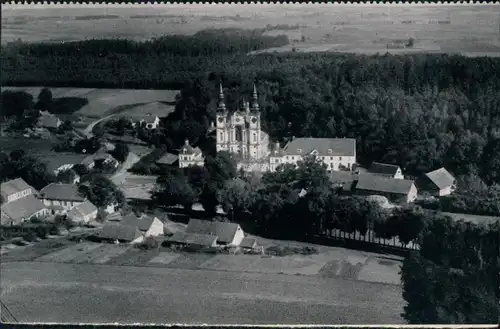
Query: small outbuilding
(149, 226)
(121, 233)
(83, 213)
(227, 233)
(438, 182)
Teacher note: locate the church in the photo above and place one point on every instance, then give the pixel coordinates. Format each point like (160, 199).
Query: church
(239, 132)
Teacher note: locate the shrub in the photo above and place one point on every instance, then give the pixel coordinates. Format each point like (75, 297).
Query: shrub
(30, 236)
(148, 244)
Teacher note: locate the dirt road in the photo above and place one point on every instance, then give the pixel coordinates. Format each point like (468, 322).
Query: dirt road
(119, 177)
(48, 292)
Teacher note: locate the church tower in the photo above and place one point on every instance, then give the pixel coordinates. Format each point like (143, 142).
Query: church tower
(222, 136)
(254, 129)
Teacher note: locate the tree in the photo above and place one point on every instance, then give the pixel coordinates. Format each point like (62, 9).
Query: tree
(121, 151)
(102, 192)
(44, 102)
(67, 125)
(173, 190)
(66, 176)
(80, 169)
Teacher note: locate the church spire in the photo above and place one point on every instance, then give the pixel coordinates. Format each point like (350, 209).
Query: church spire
(255, 99)
(221, 105)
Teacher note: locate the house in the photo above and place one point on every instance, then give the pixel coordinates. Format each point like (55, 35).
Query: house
(15, 189)
(22, 209)
(335, 153)
(227, 233)
(121, 233)
(149, 226)
(396, 190)
(248, 243)
(192, 239)
(64, 161)
(48, 120)
(386, 170)
(438, 182)
(102, 158)
(83, 213)
(168, 159)
(190, 156)
(61, 197)
(151, 121)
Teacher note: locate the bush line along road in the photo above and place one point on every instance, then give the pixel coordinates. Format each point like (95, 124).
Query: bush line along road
(420, 112)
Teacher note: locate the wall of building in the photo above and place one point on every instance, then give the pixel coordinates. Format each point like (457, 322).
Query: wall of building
(67, 205)
(156, 229)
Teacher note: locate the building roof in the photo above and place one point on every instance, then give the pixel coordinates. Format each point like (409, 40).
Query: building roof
(441, 178)
(193, 238)
(83, 209)
(58, 191)
(342, 177)
(248, 242)
(369, 182)
(167, 159)
(13, 186)
(324, 146)
(142, 223)
(54, 162)
(383, 169)
(189, 149)
(22, 208)
(223, 230)
(120, 232)
(48, 120)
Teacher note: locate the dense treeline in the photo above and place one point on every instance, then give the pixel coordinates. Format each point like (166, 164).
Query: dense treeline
(420, 111)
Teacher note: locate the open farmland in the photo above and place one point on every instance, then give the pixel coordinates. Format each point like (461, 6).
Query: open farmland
(104, 102)
(471, 30)
(47, 292)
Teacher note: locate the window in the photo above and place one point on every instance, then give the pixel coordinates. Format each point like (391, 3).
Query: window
(277, 161)
(254, 137)
(340, 158)
(287, 157)
(221, 135)
(330, 151)
(299, 150)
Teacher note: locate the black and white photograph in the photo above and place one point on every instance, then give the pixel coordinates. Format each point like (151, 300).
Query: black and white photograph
(328, 164)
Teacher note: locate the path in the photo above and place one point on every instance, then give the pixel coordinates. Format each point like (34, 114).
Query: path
(49, 292)
(88, 131)
(120, 176)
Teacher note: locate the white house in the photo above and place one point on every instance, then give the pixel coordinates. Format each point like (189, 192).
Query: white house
(190, 156)
(60, 198)
(83, 213)
(335, 153)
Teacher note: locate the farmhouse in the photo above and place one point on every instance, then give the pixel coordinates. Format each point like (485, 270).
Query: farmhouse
(48, 120)
(438, 182)
(15, 189)
(249, 243)
(190, 156)
(22, 209)
(335, 153)
(396, 190)
(386, 170)
(192, 239)
(83, 213)
(61, 197)
(65, 161)
(121, 233)
(149, 226)
(227, 233)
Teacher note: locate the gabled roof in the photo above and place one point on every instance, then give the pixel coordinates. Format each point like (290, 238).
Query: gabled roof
(383, 168)
(441, 178)
(370, 182)
(59, 191)
(323, 146)
(14, 186)
(341, 177)
(190, 150)
(223, 230)
(248, 242)
(22, 208)
(54, 162)
(142, 223)
(193, 238)
(168, 159)
(83, 209)
(120, 232)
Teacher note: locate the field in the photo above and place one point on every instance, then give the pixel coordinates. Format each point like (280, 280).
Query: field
(137, 187)
(104, 102)
(54, 292)
(29, 145)
(470, 30)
